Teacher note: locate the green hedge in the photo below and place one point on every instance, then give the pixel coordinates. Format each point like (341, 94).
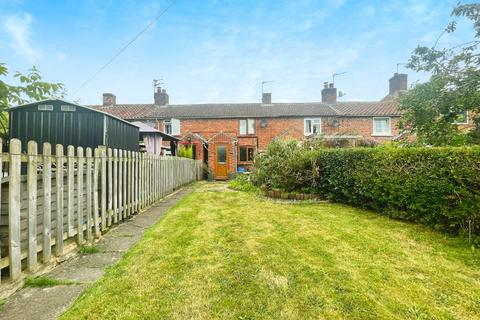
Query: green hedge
(438, 187)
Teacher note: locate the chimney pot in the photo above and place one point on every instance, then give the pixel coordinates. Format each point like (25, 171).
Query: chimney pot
(331, 85)
(325, 85)
(266, 98)
(109, 99)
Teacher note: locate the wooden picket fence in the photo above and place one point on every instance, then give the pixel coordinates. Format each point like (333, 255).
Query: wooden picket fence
(76, 195)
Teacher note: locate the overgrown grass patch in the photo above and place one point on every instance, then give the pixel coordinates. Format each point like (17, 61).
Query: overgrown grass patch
(88, 249)
(45, 282)
(233, 255)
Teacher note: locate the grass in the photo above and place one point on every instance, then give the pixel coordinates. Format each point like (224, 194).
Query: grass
(84, 250)
(44, 282)
(2, 304)
(222, 254)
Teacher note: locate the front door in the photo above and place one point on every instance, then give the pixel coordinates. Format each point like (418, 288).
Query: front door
(221, 161)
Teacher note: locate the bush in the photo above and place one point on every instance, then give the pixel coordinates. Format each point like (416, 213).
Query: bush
(242, 183)
(438, 187)
(185, 151)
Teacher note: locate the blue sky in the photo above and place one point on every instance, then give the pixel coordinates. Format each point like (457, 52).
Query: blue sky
(221, 50)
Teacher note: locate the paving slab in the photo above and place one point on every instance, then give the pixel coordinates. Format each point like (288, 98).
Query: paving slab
(83, 270)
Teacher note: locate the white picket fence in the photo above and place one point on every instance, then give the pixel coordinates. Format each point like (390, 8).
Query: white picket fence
(78, 195)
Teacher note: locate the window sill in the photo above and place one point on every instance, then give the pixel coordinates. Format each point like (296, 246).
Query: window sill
(247, 135)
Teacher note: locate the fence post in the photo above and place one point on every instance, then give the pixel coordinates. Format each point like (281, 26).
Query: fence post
(120, 185)
(80, 195)
(130, 183)
(14, 209)
(47, 201)
(135, 180)
(141, 181)
(137, 183)
(89, 193)
(70, 188)
(95, 191)
(59, 190)
(124, 184)
(103, 176)
(32, 168)
(109, 188)
(115, 185)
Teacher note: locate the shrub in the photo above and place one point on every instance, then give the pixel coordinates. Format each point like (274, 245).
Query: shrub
(438, 187)
(185, 152)
(242, 183)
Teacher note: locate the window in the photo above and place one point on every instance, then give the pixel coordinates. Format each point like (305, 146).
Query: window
(68, 108)
(381, 127)
(247, 126)
(221, 154)
(312, 126)
(172, 126)
(168, 126)
(246, 154)
(45, 107)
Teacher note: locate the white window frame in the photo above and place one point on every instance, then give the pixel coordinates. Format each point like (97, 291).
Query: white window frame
(68, 108)
(167, 123)
(45, 107)
(308, 133)
(382, 134)
(246, 126)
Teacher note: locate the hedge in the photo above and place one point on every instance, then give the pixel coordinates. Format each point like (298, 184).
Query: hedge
(438, 187)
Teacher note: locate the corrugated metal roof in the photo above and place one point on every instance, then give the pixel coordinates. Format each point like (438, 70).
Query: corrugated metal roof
(92, 108)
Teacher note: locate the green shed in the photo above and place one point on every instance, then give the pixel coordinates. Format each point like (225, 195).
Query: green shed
(61, 122)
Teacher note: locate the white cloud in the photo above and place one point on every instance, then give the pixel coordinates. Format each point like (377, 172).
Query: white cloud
(18, 27)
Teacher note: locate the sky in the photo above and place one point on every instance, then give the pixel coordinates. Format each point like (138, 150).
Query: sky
(216, 51)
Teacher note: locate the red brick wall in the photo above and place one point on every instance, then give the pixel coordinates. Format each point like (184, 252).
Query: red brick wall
(286, 128)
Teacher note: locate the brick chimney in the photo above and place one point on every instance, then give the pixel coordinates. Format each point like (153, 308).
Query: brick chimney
(161, 97)
(398, 83)
(109, 100)
(329, 93)
(266, 98)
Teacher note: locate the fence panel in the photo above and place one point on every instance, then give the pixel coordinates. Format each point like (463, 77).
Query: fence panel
(76, 197)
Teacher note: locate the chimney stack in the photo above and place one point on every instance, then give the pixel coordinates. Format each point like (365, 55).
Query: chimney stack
(329, 93)
(266, 98)
(161, 97)
(109, 100)
(398, 83)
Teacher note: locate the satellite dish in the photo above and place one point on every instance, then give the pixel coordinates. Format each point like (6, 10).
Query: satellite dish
(341, 94)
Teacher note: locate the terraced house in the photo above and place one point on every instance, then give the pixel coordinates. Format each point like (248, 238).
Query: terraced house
(227, 136)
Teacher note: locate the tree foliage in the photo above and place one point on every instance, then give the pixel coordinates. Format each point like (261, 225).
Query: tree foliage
(31, 88)
(433, 110)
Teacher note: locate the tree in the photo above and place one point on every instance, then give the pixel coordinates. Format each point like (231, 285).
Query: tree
(32, 88)
(433, 110)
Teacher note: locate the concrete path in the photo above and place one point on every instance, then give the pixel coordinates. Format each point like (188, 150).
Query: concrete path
(49, 303)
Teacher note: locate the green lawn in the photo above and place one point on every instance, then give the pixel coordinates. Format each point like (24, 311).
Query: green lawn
(222, 254)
